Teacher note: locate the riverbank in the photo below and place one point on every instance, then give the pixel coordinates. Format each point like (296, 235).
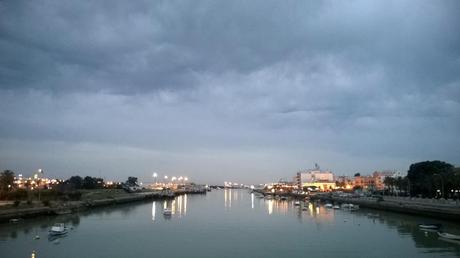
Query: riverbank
(442, 209)
(90, 199)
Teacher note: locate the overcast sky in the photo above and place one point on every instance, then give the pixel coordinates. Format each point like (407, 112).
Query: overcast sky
(247, 91)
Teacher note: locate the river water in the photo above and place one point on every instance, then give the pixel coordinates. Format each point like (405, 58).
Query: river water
(228, 223)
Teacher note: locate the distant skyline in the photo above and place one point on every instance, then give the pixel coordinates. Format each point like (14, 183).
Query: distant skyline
(247, 91)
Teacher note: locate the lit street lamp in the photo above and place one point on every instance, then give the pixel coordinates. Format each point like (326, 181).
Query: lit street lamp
(442, 184)
(155, 175)
(40, 171)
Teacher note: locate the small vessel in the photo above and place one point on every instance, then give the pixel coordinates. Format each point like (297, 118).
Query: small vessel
(58, 229)
(167, 212)
(373, 215)
(296, 203)
(429, 226)
(283, 198)
(336, 207)
(449, 236)
(354, 207)
(305, 208)
(15, 220)
(328, 205)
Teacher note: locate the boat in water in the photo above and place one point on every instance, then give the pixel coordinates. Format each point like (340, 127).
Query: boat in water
(328, 205)
(296, 203)
(429, 226)
(350, 206)
(58, 229)
(167, 212)
(449, 236)
(336, 207)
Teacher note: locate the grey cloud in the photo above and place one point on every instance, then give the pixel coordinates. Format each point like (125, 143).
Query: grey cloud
(347, 83)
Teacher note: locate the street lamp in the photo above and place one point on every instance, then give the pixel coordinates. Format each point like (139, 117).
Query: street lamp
(155, 175)
(40, 171)
(442, 184)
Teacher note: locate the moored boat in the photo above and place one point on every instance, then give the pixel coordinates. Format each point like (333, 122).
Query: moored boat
(297, 203)
(167, 212)
(449, 236)
(429, 226)
(58, 229)
(328, 205)
(336, 207)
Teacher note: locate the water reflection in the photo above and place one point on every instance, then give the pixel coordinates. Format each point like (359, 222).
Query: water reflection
(228, 197)
(154, 207)
(365, 227)
(178, 205)
(270, 207)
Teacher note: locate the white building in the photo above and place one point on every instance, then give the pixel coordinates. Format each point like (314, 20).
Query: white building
(314, 177)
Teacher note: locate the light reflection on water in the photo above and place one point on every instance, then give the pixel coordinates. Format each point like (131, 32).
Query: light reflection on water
(246, 220)
(177, 205)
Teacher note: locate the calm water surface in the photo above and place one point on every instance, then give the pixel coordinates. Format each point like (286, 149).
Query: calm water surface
(228, 223)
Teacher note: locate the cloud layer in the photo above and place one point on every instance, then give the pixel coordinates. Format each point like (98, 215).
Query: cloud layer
(227, 90)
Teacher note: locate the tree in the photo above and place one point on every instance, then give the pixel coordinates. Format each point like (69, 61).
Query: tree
(76, 182)
(357, 174)
(425, 178)
(389, 182)
(132, 181)
(89, 182)
(6, 180)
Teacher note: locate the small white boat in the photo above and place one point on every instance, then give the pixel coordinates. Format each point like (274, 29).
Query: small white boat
(297, 203)
(58, 229)
(429, 226)
(449, 236)
(336, 207)
(328, 205)
(167, 212)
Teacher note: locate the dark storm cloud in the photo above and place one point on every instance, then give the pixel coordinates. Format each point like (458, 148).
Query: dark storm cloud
(120, 46)
(300, 81)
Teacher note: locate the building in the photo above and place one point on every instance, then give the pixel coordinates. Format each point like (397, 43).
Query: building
(364, 182)
(379, 178)
(315, 179)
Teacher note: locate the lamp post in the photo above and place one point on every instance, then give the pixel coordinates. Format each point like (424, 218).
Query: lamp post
(155, 175)
(442, 184)
(40, 171)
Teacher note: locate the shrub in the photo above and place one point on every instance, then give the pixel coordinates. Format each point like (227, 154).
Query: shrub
(16, 203)
(74, 196)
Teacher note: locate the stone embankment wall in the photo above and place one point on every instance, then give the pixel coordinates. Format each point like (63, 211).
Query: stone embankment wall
(69, 207)
(444, 209)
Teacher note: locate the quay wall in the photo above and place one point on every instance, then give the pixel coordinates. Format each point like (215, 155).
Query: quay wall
(441, 210)
(75, 206)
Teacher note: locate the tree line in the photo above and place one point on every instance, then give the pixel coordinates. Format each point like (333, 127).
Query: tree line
(431, 179)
